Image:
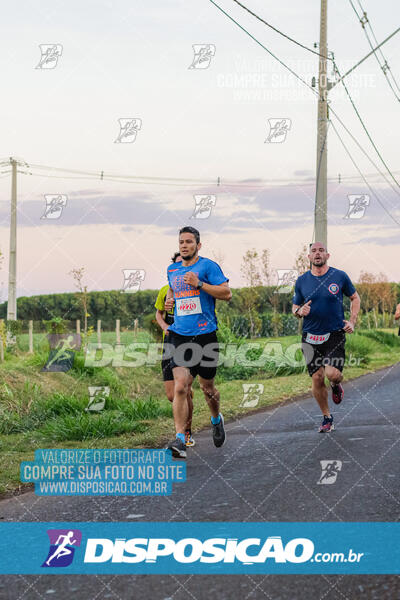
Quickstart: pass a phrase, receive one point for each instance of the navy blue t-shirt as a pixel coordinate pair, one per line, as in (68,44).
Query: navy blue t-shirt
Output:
(326,295)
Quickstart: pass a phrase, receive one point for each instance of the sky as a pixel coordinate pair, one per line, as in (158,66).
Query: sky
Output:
(131,60)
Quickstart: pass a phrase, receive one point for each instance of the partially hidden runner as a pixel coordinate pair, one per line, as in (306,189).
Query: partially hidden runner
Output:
(165,318)
(318,298)
(397,315)
(195,284)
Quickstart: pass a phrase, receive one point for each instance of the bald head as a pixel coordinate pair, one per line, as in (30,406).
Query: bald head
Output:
(318,245)
(318,254)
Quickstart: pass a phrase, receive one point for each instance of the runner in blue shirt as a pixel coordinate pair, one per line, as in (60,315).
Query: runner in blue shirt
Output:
(165,319)
(195,283)
(318,298)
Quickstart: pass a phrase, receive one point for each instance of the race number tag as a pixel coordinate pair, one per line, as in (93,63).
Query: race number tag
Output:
(188,306)
(312,338)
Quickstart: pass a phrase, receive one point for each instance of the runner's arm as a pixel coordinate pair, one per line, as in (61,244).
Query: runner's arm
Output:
(301,310)
(354,307)
(397,313)
(221,291)
(298,301)
(295,310)
(169,300)
(160,319)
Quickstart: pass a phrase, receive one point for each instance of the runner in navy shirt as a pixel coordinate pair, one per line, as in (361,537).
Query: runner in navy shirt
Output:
(318,298)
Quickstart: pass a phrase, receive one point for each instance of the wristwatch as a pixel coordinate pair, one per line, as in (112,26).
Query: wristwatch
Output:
(200,285)
(297,310)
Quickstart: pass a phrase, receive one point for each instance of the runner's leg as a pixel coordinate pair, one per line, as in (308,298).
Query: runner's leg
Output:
(169,387)
(190,404)
(211,395)
(180,404)
(320,391)
(169,390)
(333,374)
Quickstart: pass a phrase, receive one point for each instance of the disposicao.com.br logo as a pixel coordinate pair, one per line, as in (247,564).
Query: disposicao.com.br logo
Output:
(247,551)
(62,547)
(150,547)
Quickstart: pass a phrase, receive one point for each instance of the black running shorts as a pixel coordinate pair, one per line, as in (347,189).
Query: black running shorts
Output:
(330,353)
(198,353)
(166,370)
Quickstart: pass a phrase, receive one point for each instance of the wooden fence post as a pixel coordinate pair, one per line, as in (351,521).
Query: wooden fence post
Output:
(135,327)
(78,326)
(99,333)
(118,331)
(30,337)
(1,350)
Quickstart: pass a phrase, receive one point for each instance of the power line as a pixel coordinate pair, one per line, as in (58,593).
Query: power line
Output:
(265,48)
(260,183)
(365,129)
(280,32)
(121,179)
(373,163)
(367,56)
(101,174)
(155,180)
(385,66)
(305,83)
(363,177)
(162,180)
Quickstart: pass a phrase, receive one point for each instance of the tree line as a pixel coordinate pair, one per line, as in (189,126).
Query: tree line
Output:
(256,307)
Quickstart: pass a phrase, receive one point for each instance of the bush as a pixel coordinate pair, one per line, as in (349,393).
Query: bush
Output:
(56,325)
(389,340)
(360,347)
(272,325)
(151,325)
(87,426)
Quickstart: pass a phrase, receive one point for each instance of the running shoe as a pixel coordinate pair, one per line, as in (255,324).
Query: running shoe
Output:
(218,432)
(178,448)
(327,425)
(189,440)
(337,393)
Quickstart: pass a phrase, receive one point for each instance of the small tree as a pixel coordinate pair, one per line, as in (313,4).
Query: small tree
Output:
(82,295)
(55,325)
(219,257)
(265,269)
(302,265)
(366,291)
(302,262)
(250,270)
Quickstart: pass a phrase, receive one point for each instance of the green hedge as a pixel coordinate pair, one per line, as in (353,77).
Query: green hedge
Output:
(270,325)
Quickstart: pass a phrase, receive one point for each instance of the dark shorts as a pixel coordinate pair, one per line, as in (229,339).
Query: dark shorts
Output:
(330,353)
(166,370)
(198,353)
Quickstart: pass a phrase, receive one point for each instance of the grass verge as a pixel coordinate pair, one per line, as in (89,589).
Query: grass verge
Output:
(48,410)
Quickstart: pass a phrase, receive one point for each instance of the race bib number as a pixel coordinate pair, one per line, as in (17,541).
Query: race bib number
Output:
(188,306)
(312,338)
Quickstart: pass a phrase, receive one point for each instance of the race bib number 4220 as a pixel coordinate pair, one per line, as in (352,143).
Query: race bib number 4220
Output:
(188,306)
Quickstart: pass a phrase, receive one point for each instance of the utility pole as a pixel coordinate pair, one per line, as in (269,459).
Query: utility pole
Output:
(321,205)
(12,269)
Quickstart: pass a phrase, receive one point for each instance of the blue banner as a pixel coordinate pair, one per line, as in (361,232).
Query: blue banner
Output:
(114,472)
(199,548)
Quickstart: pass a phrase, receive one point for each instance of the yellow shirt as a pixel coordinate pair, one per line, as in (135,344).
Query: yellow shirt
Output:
(160,305)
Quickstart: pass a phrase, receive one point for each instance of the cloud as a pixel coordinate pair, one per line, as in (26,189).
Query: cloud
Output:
(304,173)
(237,210)
(382,241)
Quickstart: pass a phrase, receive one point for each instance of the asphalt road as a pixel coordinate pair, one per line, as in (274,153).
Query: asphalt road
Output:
(267,470)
